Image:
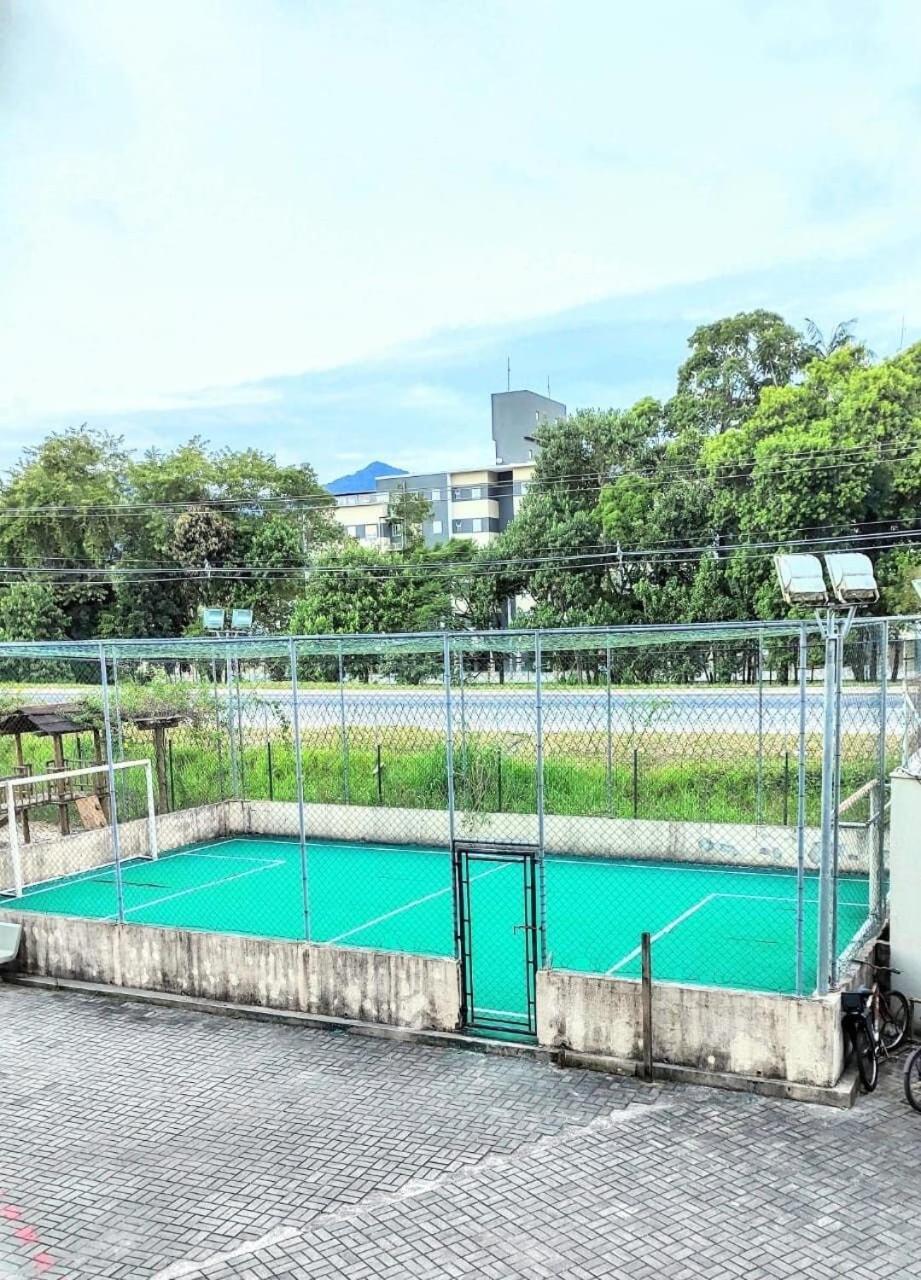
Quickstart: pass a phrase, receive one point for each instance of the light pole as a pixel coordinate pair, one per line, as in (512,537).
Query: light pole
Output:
(802,582)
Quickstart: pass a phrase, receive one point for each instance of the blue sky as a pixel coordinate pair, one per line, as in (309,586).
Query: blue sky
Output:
(320,228)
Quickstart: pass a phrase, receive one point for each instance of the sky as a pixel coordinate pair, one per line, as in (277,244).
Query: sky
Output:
(322,228)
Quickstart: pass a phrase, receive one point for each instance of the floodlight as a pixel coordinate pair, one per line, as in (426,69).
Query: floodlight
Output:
(851,576)
(916,583)
(801,579)
(213,619)
(241,620)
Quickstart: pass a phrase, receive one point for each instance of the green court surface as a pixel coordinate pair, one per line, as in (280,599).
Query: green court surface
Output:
(711,925)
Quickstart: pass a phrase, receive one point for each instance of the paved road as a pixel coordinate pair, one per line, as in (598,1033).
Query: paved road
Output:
(682,710)
(652,711)
(145,1143)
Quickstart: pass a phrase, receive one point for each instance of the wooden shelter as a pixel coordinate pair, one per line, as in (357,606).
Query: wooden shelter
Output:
(56,721)
(59,721)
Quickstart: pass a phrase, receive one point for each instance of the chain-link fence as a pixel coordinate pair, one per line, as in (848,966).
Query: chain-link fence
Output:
(722,788)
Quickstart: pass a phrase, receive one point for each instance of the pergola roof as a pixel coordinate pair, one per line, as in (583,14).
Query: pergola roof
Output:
(46,719)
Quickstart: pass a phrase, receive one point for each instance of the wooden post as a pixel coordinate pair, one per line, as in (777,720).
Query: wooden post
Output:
(21,762)
(646,951)
(99,779)
(159,737)
(61,787)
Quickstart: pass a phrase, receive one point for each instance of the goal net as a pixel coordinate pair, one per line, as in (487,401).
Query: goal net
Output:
(59,825)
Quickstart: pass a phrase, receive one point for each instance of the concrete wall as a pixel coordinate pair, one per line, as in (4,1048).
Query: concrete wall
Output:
(47,859)
(729,843)
(421,992)
(905,879)
(711,1028)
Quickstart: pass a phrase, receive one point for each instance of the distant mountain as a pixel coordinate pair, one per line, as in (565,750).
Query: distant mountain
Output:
(363,481)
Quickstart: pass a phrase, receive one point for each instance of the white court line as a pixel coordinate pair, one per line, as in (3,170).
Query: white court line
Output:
(673,924)
(595,860)
(408,906)
(52,883)
(196,888)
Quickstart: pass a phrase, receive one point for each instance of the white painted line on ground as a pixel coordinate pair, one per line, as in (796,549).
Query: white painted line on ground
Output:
(409,906)
(613,863)
(672,924)
(208,884)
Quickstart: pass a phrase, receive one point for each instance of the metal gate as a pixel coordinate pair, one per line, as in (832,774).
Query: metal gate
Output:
(495,899)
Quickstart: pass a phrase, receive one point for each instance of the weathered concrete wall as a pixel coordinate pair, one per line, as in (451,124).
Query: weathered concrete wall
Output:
(712,1028)
(47,859)
(730,843)
(905,877)
(421,992)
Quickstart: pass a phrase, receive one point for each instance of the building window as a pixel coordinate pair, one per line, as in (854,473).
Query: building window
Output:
(436,526)
(352,530)
(457,526)
(477,525)
(476,492)
(436,496)
(524,487)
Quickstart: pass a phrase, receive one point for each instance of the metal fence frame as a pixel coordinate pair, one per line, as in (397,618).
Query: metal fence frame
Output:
(445,649)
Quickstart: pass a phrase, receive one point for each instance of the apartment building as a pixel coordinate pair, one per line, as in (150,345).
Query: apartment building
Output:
(470,502)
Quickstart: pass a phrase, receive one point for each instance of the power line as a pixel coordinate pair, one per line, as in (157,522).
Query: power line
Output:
(818,461)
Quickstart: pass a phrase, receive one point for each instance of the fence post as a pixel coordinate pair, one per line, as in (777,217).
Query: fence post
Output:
(343,729)
(609,777)
(539,766)
(825,959)
(878,856)
(646,994)
(299,783)
(241,754)
(268,761)
(217,729)
(113,799)
(759,796)
(231,727)
(449,735)
(636,781)
(801,807)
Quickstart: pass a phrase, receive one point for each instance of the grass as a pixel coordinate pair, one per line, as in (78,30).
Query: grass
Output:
(706,777)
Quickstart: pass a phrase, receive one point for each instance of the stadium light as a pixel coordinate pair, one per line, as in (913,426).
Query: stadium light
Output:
(213,619)
(241,620)
(851,577)
(916,583)
(801,579)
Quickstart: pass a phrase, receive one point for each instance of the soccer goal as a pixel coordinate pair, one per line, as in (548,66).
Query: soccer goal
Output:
(34,852)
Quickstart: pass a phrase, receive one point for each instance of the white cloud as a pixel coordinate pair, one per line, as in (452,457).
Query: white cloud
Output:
(203,196)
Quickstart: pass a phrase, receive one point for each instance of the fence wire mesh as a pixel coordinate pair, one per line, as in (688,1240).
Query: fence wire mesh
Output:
(670,780)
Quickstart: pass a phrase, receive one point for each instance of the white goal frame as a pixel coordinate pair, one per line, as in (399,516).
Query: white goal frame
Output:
(30,779)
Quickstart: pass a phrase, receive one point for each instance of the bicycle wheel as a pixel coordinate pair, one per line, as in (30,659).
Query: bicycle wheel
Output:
(894,1019)
(911,1079)
(865,1053)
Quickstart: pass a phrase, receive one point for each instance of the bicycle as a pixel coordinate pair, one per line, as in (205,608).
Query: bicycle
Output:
(911,1079)
(875,1023)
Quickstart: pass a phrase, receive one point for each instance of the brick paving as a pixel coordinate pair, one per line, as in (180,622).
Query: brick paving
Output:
(146,1142)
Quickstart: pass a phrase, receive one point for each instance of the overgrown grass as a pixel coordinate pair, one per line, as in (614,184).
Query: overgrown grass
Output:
(408,769)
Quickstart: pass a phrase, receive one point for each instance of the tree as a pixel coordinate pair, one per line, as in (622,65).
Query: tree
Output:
(29,611)
(841,336)
(733,360)
(406,512)
(61,509)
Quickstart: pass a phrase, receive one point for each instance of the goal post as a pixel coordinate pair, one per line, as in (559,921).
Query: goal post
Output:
(15,807)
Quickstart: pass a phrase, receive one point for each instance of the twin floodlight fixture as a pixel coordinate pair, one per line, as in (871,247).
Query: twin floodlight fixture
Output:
(850,577)
(215,620)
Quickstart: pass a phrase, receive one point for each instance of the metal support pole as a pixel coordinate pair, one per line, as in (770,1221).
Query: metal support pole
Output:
(759,795)
(646,994)
(539,766)
(878,856)
(836,776)
(829,791)
(801,809)
(217,727)
(231,727)
(113,799)
(241,755)
(449,736)
(299,783)
(609,774)
(343,729)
